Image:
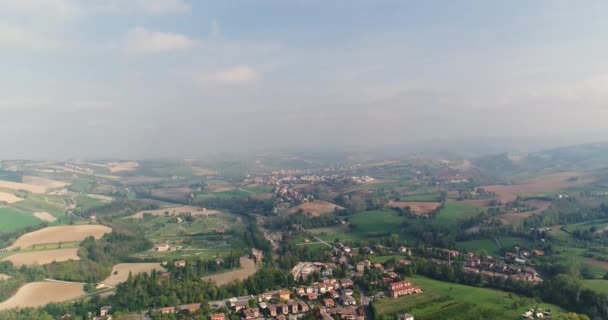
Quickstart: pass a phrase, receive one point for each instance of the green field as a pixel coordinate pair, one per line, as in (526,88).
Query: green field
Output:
(598,285)
(86,202)
(453,211)
(489,245)
(83,184)
(13,220)
(424,197)
(364,225)
(206,236)
(384,259)
(572,255)
(444,300)
(595,224)
(42,202)
(226,195)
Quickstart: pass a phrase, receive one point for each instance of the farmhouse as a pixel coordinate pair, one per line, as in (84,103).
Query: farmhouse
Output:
(167,310)
(403,288)
(405,316)
(190,308)
(162,247)
(105,310)
(217,316)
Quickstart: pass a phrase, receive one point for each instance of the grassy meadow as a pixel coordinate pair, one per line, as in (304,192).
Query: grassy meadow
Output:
(12,220)
(444,300)
(454,211)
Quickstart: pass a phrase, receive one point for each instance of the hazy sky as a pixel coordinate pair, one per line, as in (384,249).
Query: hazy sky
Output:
(141,78)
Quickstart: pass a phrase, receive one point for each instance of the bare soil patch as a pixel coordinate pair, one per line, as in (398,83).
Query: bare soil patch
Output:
(4,276)
(37,294)
(101,197)
(416,207)
(548,183)
(262,196)
(120,272)
(597,263)
(203,172)
(195,211)
(122,166)
(42,257)
(512,217)
(247,270)
(9,197)
(44,182)
(60,234)
(317,208)
(33,184)
(45,216)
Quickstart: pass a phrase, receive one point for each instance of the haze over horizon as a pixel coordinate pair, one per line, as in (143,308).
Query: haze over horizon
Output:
(147,78)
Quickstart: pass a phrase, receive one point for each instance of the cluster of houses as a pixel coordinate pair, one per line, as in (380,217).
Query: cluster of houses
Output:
(274,304)
(488,267)
(536,314)
(328,291)
(303,269)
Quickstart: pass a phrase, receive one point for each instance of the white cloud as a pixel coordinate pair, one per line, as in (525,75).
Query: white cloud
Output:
(158,7)
(46,8)
(149,7)
(141,41)
(233,76)
(15,37)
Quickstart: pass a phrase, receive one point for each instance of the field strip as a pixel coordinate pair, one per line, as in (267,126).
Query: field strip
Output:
(40,293)
(42,257)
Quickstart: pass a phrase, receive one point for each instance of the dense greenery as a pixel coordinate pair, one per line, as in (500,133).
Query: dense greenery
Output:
(148,291)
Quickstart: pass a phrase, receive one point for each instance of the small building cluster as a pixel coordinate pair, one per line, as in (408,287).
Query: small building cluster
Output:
(303,269)
(489,267)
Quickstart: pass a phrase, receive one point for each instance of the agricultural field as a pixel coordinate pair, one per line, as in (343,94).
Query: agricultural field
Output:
(37,294)
(454,211)
(488,245)
(122,166)
(13,220)
(416,207)
(120,272)
(579,256)
(209,235)
(173,194)
(87,202)
(248,268)
(363,226)
(33,184)
(512,217)
(422,197)
(540,185)
(444,300)
(42,257)
(172,211)
(597,285)
(598,225)
(9,197)
(491,246)
(317,208)
(54,205)
(225,194)
(58,234)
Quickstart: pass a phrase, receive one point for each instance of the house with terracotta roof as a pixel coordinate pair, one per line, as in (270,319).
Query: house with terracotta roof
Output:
(402,288)
(217,316)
